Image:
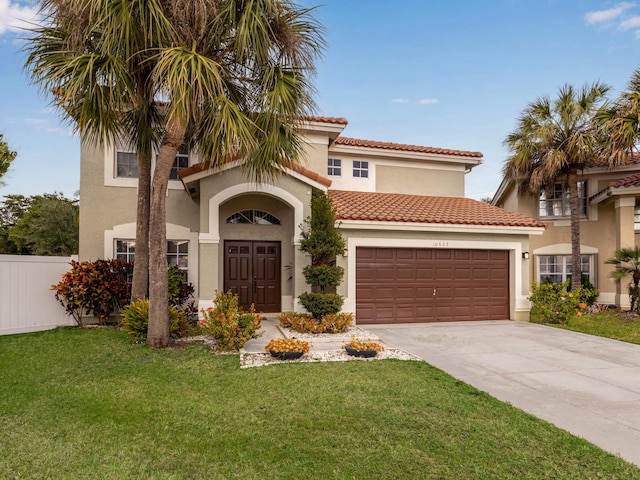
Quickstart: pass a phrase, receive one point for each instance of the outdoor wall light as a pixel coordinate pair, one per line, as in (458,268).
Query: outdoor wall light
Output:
(525,255)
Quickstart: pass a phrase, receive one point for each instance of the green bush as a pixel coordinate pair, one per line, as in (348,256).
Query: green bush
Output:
(553,303)
(321,304)
(323,276)
(588,293)
(100,287)
(228,323)
(305,323)
(135,321)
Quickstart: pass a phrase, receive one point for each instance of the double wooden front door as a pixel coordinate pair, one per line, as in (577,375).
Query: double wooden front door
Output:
(252,271)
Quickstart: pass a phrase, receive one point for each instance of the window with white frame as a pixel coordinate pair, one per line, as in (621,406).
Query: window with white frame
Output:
(334,167)
(125,250)
(126,165)
(360,169)
(636,216)
(554,201)
(181,161)
(557,268)
(177,252)
(253,217)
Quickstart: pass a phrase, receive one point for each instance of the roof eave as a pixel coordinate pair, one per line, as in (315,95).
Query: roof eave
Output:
(611,192)
(442,227)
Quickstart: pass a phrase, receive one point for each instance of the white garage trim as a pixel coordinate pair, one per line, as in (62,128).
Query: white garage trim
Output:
(517,298)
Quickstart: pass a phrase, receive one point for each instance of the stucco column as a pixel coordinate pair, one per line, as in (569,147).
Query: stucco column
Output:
(301,260)
(208,274)
(625,238)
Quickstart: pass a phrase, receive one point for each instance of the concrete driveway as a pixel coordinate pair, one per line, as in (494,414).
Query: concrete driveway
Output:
(589,386)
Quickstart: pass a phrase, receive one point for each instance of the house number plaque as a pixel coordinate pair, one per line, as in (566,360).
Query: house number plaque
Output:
(440,244)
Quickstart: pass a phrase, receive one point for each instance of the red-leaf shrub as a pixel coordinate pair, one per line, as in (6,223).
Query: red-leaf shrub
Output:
(100,287)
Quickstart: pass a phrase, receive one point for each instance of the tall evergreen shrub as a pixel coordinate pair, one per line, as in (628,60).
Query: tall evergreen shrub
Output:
(323,241)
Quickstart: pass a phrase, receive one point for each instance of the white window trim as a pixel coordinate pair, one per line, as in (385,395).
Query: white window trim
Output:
(331,159)
(561,217)
(174,232)
(110,174)
(361,169)
(564,273)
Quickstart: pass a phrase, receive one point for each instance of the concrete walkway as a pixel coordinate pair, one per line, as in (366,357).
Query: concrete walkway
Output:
(589,386)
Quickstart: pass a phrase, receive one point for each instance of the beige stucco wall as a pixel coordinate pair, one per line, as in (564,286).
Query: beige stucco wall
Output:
(227,193)
(108,212)
(419,181)
(599,233)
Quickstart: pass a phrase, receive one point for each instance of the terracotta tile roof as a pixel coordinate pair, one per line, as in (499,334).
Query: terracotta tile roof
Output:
(311,174)
(355,142)
(630,181)
(634,160)
(200,167)
(393,207)
(334,120)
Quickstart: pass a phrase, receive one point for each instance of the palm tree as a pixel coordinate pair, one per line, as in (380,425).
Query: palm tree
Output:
(620,122)
(553,140)
(229,79)
(122,109)
(627,262)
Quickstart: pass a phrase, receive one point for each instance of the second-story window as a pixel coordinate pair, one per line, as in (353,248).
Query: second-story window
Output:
(181,161)
(334,167)
(554,201)
(360,169)
(126,165)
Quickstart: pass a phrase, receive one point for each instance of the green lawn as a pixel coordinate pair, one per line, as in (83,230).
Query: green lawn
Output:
(610,324)
(89,404)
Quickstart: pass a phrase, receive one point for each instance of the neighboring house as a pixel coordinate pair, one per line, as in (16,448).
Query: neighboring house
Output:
(610,209)
(416,249)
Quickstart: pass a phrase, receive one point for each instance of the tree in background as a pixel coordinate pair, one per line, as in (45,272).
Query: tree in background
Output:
(553,140)
(6,157)
(39,225)
(232,77)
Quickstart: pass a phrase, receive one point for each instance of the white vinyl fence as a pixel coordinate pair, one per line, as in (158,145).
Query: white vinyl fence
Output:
(26,302)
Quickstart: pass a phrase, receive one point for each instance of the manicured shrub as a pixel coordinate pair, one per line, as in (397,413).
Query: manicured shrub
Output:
(323,241)
(323,276)
(228,323)
(99,288)
(336,322)
(555,303)
(364,345)
(321,304)
(287,345)
(135,321)
(305,323)
(320,238)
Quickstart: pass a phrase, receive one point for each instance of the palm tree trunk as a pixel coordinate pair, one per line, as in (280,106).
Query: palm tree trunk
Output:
(140,284)
(574,207)
(158,333)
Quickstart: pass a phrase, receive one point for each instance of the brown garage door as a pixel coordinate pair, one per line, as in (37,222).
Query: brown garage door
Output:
(401,285)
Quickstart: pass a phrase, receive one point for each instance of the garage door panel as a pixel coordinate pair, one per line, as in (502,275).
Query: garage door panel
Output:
(395,285)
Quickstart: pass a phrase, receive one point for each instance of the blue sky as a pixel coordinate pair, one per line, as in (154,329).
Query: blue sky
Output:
(443,73)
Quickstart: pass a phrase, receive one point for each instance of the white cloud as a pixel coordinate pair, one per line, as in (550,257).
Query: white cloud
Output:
(600,16)
(428,101)
(16,15)
(632,22)
(399,100)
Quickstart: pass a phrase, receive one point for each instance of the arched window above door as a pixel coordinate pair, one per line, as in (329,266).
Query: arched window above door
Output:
(253,217)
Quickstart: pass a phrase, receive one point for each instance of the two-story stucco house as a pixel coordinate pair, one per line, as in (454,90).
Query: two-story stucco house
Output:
(417,250)
(610,209)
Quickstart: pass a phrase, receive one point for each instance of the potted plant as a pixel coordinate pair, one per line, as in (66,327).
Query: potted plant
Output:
(287,348)
(363,348)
